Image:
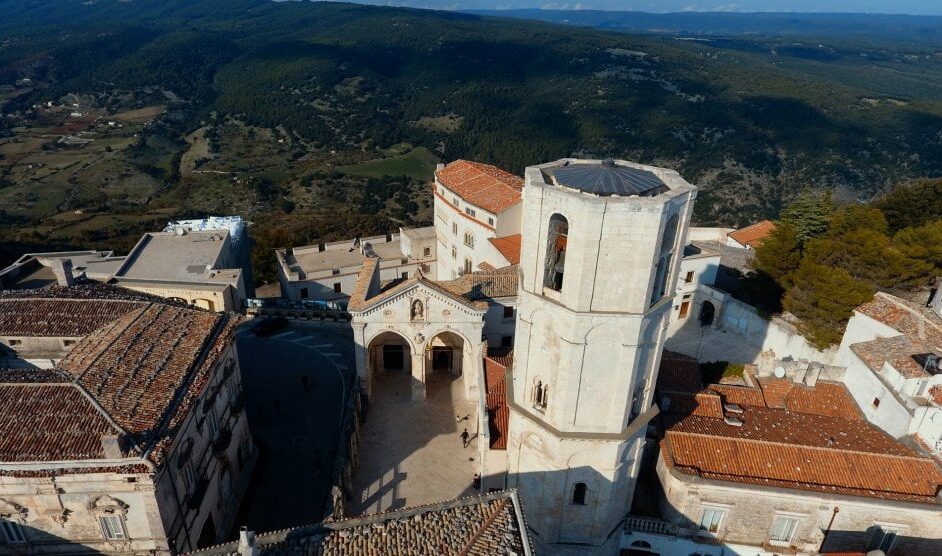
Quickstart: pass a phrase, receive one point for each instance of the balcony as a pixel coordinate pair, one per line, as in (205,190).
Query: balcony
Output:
(648,525)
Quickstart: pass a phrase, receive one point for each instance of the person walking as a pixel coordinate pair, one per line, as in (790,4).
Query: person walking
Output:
(465,438)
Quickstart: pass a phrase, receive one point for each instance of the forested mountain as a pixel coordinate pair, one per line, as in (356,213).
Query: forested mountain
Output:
(270,108)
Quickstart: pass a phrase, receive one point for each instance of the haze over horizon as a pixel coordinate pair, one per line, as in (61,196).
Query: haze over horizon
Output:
(908,7)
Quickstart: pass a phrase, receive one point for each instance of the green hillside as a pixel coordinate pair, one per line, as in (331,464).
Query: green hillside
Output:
(290,108)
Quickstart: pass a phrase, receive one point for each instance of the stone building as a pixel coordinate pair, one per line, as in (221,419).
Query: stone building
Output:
(136,441)
(892,350)
(204,263)
(601,246)
(484,525)
(329,271)
(477,217)
(781,465)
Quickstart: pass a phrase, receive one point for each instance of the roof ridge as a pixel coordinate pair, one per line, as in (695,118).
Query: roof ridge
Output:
(488,521)
(805,446)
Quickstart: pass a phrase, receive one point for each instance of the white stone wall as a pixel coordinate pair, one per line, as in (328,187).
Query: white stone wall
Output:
(595,344)
(496,325)
(751,510)
(59,512)
(451,225)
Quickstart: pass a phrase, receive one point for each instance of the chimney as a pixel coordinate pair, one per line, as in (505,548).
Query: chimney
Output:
(111,445)
(62,268)
(247,542)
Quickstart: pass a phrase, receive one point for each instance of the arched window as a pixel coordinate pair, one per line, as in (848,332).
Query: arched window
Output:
(556,240)
(469,239)
(664,259)
(540,395)
(579,492)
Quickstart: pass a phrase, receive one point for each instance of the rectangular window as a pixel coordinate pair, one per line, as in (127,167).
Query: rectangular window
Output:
(12,532)
(405,275)
(454,253)
(454,228)
(304,293)
(337,287)
(213,422)
(783,529)
(689,277)
(427,252)
(470,212)
(508,312)
(490,221)
(467,266)
(455,199)
(883,539)
(334,271)
(112,527)
(15,342)
(876,402)
(68,343)
(711,519)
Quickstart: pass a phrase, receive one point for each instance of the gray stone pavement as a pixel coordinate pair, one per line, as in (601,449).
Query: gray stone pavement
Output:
(706,344)
(411,452)
(296,428)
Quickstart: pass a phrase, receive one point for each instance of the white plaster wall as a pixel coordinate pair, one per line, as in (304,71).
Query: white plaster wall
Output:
(892,415)
(774,334)
(861,328)
(496,325)
(698,233)
(750,511)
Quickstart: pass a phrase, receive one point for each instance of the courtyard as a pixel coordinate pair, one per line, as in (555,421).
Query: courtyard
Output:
(295,383)
(411,452)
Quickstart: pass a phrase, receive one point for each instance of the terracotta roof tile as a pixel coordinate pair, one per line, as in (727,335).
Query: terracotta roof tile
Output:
(483,525)
(901,352)
(59,317)
(49,422)
(482,185)
(919,323)
(802,451)
(485,284)
(509,247)
(753,235)
(496,399)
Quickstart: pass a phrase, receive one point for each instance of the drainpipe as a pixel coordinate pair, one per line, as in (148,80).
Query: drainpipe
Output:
(828,530)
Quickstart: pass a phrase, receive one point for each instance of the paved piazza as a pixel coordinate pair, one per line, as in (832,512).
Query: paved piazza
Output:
(410,452)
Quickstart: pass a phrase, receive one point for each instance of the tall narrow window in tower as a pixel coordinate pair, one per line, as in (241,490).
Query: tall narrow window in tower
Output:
(540,395)
(556,252)
(579,492)
(664,260)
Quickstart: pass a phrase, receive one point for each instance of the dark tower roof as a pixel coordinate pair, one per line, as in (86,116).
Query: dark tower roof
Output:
(607,178)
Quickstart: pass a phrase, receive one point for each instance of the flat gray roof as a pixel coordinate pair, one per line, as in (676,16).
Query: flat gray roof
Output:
(309,259)
(169,256)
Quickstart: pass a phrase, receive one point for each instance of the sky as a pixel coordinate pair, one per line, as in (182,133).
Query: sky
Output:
(913,7)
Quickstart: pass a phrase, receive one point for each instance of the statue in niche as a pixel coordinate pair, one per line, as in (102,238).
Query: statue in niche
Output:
(418,310)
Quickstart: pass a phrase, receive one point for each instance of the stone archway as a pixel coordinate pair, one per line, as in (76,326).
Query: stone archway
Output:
(389,353)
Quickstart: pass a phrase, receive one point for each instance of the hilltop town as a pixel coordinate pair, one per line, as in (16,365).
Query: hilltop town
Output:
(560,364)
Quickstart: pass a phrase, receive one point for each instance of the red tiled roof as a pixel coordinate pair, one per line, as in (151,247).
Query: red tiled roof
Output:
(509,247)
(871,475)
(49,422)
(485,284)
(59,317)
(498,412)
(482,185)
(916,322)
(136,366)
(783,448)
(753,235)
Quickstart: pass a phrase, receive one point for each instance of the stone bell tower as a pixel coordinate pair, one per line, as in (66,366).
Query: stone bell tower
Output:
(601,247)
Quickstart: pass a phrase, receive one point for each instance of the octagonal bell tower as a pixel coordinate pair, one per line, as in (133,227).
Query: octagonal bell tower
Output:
(601,248)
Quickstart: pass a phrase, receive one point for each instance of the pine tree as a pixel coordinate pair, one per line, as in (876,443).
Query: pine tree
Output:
(824,298)
(779,254)
(809,214)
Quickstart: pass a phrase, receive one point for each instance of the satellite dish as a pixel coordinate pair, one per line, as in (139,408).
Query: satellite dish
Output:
(780,372)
